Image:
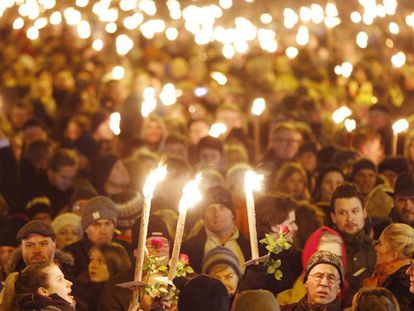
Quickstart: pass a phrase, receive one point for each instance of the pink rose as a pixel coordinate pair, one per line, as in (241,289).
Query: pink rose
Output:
(157,243)
(184,258)
(283,229)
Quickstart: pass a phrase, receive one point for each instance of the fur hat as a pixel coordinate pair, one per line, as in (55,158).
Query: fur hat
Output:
(398,165)
(260,300)
(325,257)
(98,208)
(218,194)
(128,207)
(67,219)
(221,255)
(202,293)
(36,226)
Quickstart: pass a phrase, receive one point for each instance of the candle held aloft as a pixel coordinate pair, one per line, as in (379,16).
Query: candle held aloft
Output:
(191,196)
(398,127)
(252,182)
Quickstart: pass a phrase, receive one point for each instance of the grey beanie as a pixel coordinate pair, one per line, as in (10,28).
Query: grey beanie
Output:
(221,255)
(98,208)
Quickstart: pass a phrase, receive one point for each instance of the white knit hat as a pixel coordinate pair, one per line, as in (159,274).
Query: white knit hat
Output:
(67,219)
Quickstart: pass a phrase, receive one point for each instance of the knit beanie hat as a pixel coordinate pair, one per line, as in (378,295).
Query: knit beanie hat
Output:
(221,255)
(98,208)
(325,257)
(361,165)
(67,219)
(260,300)
(218,194)
(100,169)
(211,143)
(398,165)
(202,293)
(36,226)
(128,207)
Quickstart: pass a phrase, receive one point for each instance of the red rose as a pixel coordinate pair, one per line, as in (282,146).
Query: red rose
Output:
(184,258)
(157,243)
(283,229)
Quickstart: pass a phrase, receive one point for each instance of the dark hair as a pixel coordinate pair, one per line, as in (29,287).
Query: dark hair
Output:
(62,157)
(116,257)
(37,150)
(272,209)
(346,190)
(364,135)
(31,278)
(378,299)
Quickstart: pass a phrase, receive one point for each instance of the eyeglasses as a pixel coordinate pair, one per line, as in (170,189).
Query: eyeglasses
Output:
(318,277)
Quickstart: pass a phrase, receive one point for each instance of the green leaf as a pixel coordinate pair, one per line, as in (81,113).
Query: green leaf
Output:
(189,269)
(271,269)
(278,275)
(277,263)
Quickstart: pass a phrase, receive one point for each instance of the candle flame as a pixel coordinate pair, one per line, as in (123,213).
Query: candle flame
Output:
(400,126)
(350,125)
(259,105)
(253,181)
(191,193)
(115,122)
(154,177)
(341,114)
(217,129)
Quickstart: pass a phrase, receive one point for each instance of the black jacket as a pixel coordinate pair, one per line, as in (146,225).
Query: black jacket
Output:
(40,303)
(194,248)
(303,305)
(256,276)
(399,284)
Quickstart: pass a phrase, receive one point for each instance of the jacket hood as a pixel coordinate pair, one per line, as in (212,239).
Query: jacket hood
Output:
(16,263)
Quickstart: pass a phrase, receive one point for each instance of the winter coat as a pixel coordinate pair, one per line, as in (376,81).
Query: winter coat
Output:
(15,264)
(303,305)
(39,303)
(361,259)
(393,278)
(194,248)
(80,252)
(256,276)
(113,297)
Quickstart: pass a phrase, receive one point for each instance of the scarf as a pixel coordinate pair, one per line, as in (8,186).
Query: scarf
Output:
(303,305)
(384,271)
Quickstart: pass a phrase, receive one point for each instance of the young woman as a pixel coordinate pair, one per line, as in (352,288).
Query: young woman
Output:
(291,179)
(43,287)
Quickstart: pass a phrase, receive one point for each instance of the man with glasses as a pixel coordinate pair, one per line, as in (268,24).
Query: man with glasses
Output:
(284,143)
(324,279)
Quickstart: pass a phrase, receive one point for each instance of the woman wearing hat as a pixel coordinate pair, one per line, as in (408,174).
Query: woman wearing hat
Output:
(394,249)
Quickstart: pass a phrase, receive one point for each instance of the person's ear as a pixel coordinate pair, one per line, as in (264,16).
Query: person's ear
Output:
(43,291)
(333,218)
(364,212)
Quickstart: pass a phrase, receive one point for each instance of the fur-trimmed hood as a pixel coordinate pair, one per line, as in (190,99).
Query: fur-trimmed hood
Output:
(16,263)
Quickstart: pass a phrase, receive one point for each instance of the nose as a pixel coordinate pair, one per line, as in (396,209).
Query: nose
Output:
(324,281)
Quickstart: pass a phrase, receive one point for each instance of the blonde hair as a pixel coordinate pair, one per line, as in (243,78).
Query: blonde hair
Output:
(287,170)
(400,238)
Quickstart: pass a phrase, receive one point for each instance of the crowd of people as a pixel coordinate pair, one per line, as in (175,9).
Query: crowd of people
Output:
(71,200)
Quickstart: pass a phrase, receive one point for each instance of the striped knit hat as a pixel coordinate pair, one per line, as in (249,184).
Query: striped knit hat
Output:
(221,255)
(128,208)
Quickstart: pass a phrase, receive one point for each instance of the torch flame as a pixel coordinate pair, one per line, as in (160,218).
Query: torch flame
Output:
(259,105)
(114,123)
(253,181)
(341,114)
(400,126)
(191,193)
(155,177)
